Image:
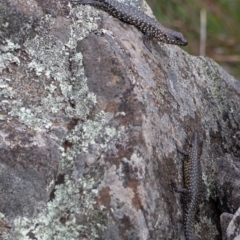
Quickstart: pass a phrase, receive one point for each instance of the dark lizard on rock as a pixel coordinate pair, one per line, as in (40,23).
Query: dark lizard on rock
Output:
(193,184)
(149,26)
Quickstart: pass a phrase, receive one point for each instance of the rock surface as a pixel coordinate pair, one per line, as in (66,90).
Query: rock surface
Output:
(89,125)
(230,225)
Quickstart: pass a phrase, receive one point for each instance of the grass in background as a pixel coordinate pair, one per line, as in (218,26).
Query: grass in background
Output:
(223,21)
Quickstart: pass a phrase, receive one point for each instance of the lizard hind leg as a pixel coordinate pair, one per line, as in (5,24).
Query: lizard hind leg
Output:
(179,189)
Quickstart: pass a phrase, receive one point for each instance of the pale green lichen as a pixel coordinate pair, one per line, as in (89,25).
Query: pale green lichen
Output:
(207,227)
(76,196)
(59,219)
(5,90)
(209,182)
(38,117)
(9,47)
(212,71)
(85,135)
(50,57)
(7,55)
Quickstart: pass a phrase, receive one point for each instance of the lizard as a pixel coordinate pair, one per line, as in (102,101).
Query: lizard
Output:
(193,184)
(149,26)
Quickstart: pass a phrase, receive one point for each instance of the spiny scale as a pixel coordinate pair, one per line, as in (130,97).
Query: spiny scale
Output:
(146,24)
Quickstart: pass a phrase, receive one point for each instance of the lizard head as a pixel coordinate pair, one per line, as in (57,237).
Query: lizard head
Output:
(172,37)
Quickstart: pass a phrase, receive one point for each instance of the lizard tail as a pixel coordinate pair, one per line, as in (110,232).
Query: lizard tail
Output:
(189,226)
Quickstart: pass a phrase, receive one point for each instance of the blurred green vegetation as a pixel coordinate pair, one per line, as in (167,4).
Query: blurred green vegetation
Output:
(223,27)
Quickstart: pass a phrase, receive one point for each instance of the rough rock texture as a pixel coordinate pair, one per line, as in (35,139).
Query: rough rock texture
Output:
(89,121)
(225,219)
(233,230)
(230,225)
